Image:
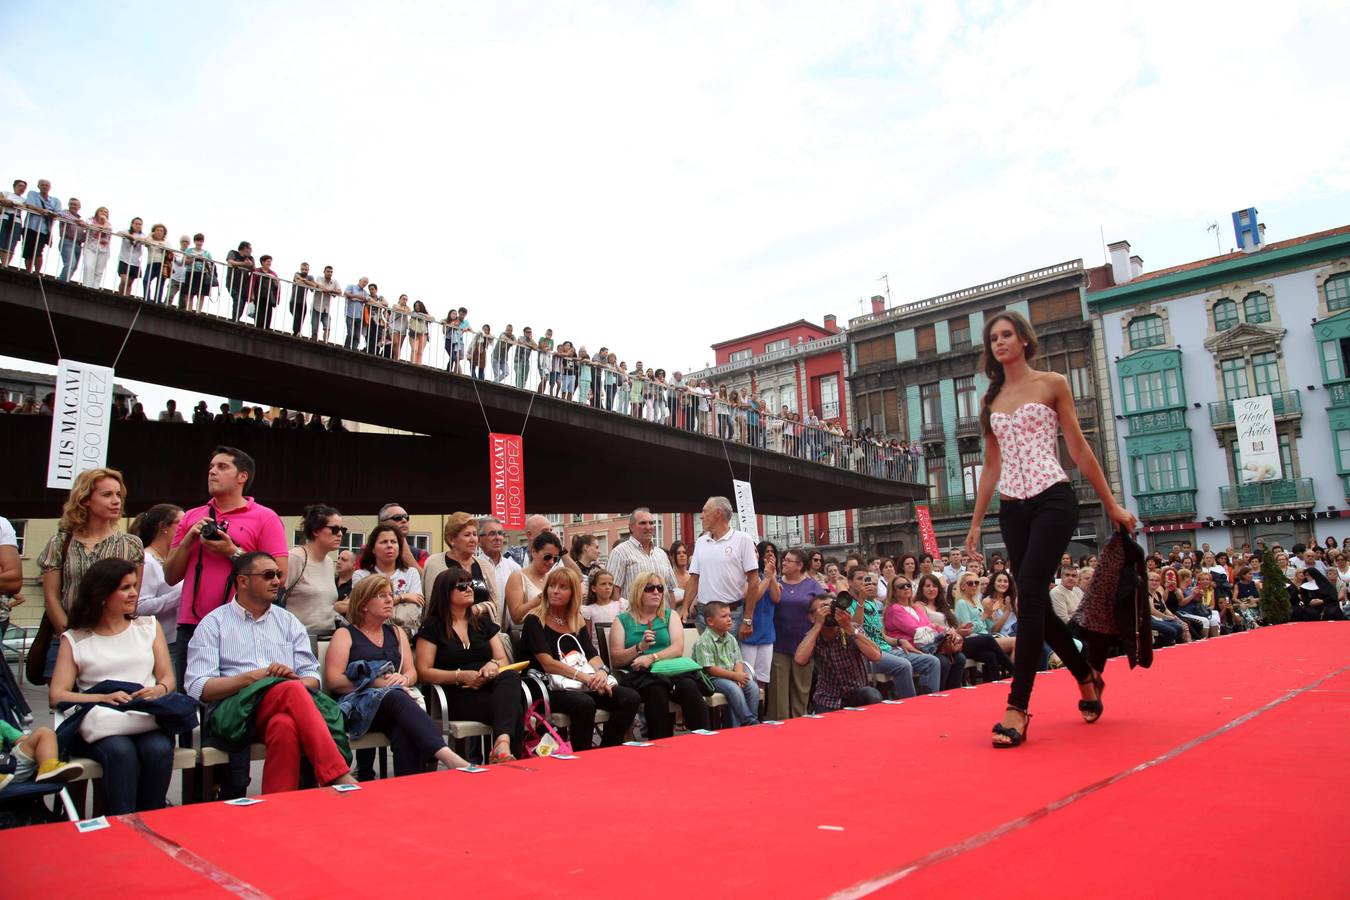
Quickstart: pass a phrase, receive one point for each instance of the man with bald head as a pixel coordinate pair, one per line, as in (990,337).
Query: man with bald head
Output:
(535,525)
(640,554)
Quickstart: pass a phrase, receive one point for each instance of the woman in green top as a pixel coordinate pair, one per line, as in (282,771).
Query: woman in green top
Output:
(968,617)
(642,636)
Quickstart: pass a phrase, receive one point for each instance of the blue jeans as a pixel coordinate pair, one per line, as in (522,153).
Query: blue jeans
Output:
(136,768)
(927,670)
(742,702)
(71,251)
(900,670)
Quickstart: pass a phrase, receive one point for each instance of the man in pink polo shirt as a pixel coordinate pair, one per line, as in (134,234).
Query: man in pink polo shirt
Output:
(239,526)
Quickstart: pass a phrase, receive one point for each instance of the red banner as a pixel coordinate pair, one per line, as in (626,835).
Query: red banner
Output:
(926,532)
(506,467)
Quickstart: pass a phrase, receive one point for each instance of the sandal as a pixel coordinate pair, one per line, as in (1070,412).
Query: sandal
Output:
(501,756)
(1092,709)
(1014,737)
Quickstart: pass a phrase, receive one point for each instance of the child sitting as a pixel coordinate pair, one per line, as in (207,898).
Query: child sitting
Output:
(718,653)
(603,602)
(35,757)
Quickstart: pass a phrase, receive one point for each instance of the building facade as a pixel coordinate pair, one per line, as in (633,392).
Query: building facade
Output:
(916,378)
(802,368)
(1186,342)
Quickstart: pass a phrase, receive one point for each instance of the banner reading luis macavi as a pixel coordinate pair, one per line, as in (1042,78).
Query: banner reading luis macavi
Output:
(1258,444)
(506,478)
(926,531)
(81,408)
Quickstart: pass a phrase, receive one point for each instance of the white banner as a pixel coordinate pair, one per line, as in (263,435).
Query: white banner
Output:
(81,410)
(1258,444)
(745,508)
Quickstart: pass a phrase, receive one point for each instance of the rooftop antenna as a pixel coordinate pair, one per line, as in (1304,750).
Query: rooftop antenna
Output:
(887,278)
(1106,260)
(1214,227)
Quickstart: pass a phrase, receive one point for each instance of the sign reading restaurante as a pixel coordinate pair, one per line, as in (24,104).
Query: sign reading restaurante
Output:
(1253,519)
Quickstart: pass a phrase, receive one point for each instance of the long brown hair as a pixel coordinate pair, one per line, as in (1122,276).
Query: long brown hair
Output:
(993,369)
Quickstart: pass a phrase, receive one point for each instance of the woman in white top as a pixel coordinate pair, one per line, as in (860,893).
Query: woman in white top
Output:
(158,257)
(129,256)
(97,248)
(311,571)
(156,528)
(105,640)
(525,589)
(679,562)
(381,555)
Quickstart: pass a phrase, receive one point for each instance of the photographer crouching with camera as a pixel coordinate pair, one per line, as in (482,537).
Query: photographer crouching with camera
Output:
(841,653)
(211,537)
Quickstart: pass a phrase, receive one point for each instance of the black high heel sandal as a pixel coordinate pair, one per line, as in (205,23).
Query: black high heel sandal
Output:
(1093,708)
(1015,738)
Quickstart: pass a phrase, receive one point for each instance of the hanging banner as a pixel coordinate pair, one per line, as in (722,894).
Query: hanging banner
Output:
(506,468)
(1258,444)
(81,408)
(745,508)
(926,532)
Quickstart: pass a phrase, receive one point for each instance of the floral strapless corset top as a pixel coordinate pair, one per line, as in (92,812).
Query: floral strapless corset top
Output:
(1028,442)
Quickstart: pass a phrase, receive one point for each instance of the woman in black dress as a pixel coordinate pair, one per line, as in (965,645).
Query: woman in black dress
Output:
(460,648)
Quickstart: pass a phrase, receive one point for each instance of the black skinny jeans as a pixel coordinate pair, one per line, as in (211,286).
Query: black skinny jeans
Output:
(985,650)
(656,700)
(413,737)
(1036,531)
(622,706)
(499,703)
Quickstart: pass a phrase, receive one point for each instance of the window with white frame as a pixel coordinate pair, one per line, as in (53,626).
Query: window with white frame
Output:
(420,540)
(777,345)
(839,527)
(794,531)
(790,397)
(829,397)
(741,355)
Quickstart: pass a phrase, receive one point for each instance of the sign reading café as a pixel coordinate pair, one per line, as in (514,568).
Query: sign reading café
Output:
(1274,518)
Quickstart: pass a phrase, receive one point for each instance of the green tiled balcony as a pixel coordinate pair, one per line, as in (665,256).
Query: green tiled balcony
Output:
(1267,494)
(1157,422)
(1340,394)
(1287,403)
(1166,505)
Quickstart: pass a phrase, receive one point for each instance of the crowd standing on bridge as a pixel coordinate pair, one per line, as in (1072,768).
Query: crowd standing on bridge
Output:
(203,617)
(150,267)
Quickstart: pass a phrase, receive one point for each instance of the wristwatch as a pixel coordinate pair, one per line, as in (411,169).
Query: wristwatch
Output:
(238,552)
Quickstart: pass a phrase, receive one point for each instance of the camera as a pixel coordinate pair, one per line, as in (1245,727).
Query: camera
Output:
(842,603)
(213,530)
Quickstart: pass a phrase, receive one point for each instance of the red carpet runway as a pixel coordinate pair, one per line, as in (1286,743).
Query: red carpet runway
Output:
(1222,771)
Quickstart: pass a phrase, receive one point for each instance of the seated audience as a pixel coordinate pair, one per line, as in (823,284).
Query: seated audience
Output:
(966,619)
(647,632)
(250,662)
(553,629)
(720,655)
(105,642)
(461,648)
(382,555)
(370,668)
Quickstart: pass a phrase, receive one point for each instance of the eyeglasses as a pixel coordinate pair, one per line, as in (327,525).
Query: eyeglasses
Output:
(904,587)
(463,585)
(549,557)
(493,534)
(337,529)
(654,589)
(400,517)
(266,574)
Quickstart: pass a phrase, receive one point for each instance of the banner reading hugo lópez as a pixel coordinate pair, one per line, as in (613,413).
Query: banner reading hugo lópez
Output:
(81,408)
(506,478)
(1258,444)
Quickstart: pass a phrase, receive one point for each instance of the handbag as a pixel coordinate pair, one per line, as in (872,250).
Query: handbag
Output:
(35,666)
(101,722)
(682,666)
(541,738)
(575,658)
(951,643)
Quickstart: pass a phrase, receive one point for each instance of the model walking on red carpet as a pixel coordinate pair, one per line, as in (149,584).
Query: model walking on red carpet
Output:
(1023,414)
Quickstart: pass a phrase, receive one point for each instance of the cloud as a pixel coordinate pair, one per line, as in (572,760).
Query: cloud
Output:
(661,177)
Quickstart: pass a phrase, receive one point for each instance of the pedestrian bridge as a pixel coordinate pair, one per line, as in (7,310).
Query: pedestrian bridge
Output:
(577,456)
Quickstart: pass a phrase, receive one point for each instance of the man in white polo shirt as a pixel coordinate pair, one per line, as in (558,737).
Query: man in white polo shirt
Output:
(725,567)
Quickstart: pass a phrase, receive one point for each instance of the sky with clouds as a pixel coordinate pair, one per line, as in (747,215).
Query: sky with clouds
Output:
(658,177)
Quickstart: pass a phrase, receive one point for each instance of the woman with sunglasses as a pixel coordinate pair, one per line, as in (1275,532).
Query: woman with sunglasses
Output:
(643,635)
(966,615)
(525,589)
(311,573)
(461,648)
(461,542)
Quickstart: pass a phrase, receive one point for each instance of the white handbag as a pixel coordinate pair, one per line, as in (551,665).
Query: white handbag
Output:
(575,658)
(102,721)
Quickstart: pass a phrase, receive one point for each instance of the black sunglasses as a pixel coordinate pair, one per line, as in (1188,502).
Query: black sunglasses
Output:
(401,517)
(549,557)
(337,529)
(463,585)
(266,574)
(654,589)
